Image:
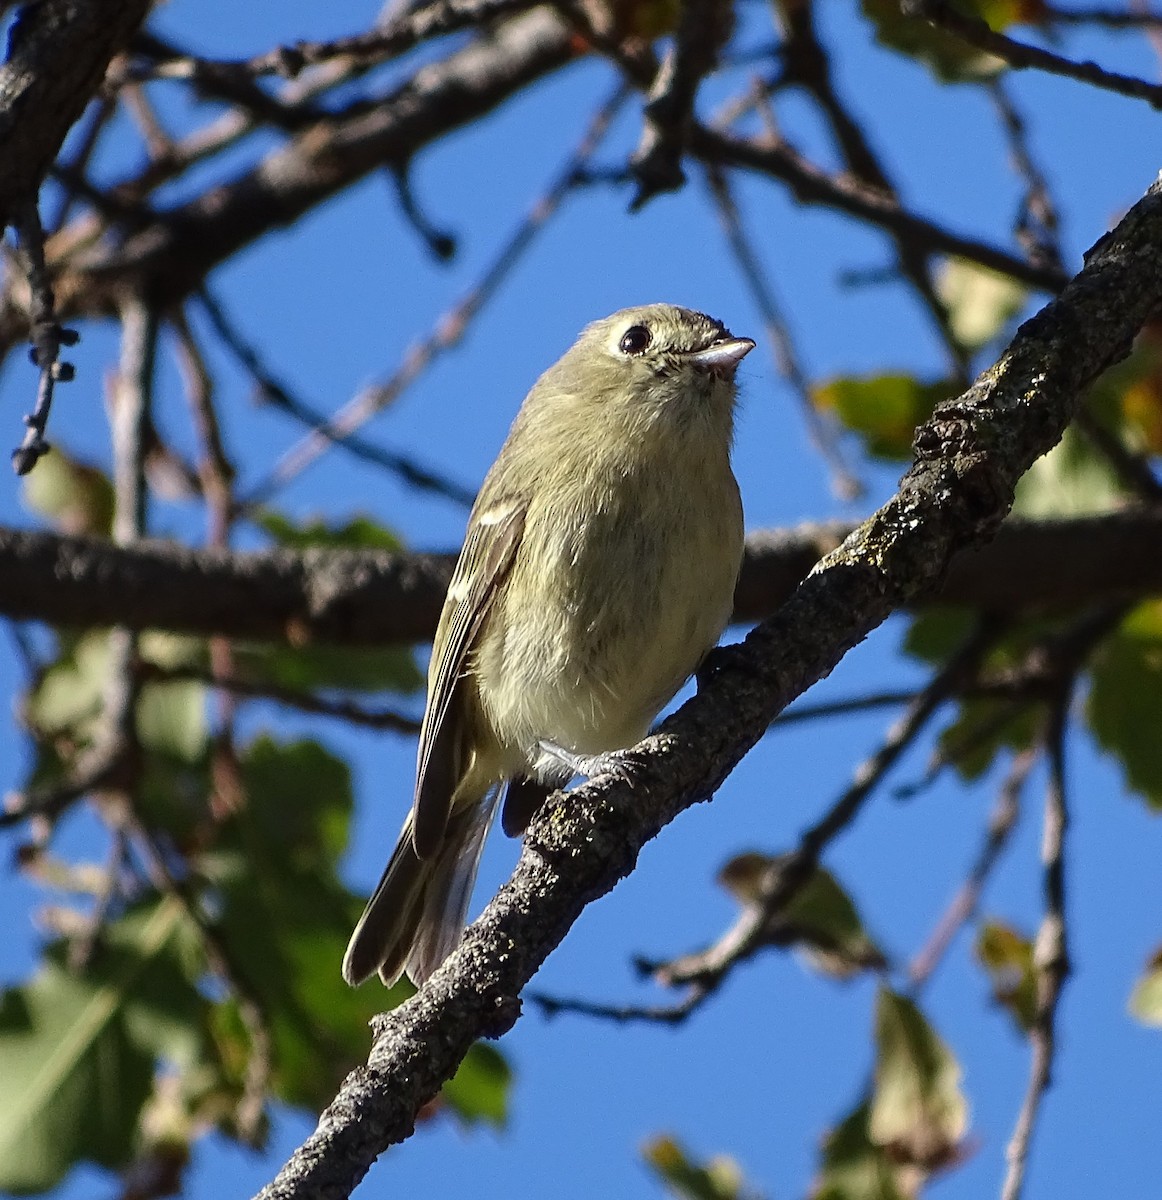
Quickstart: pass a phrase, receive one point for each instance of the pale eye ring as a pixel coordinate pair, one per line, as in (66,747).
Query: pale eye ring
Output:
(635,340)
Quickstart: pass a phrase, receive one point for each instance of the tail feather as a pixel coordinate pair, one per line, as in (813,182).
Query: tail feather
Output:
(416,914)
(448,889)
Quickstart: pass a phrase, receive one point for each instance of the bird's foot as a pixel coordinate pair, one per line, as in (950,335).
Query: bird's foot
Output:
(589,766)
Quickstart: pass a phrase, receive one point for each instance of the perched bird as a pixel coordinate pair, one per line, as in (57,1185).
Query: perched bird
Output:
(598,569)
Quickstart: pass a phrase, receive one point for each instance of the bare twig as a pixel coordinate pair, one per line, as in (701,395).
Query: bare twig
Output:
(1021,55)
(452,326)
(810,184)
(807,64)
(251,1104)
(823,435)
(836,708)
(964,903)
(215,470)
(343,710)
(410,27)
(46,335)
(1037,223)
(1110,18)
(703,28)
(99,115)
(1050,953)
(274,392)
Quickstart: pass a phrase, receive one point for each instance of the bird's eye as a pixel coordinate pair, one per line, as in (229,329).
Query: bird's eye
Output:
(634,340)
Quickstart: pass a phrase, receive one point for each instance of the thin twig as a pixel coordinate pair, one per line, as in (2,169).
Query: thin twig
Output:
(101,111)
(46,335)
(343,710)
(274,392)
(703,28)
(964,904)
(452,326)
(249,1110)
(1021,55)
(834,708)
(844,192)
(412,26)
(1037,227)
(1050,953)
(823,435)
(808,66)
(1110,18)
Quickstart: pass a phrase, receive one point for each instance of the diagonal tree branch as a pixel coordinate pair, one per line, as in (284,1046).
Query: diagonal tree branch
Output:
(58,51)
(969,458)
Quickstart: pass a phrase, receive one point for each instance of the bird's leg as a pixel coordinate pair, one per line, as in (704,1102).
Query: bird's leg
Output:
(588,766)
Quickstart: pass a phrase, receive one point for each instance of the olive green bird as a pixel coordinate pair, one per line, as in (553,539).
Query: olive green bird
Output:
(598,569)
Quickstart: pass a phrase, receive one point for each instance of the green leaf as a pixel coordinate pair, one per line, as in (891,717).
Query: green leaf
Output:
(918,1112)
(1007,956)
(980,302)
(934,635)
(310,667)
(74,496)
(820,919)
(982,729)
(80,1052)
(358,533)
(720,1178)
(1072,480)
(286,916)
(1125,699)
(479,1091)
(171,720)
(69,696)
(853,1167)
(883,409)
(1146,998)
(950,58)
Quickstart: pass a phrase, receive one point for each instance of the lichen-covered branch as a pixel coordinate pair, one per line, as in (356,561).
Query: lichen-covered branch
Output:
(969,457)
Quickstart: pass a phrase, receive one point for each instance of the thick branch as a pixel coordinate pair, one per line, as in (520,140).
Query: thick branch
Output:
(969,457)
(374,598)
(58,53)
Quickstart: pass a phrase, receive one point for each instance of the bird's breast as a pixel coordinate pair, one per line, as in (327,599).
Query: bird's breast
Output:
(619,589)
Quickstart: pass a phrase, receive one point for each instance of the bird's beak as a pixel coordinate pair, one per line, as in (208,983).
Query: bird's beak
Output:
(724,355)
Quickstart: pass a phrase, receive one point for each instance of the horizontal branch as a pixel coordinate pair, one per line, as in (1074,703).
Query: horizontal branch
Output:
(969,458)
(377,598)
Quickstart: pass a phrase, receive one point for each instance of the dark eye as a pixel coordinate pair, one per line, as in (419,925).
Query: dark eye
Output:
(634,340)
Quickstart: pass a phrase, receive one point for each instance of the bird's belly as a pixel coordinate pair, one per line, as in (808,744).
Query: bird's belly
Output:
(589,671)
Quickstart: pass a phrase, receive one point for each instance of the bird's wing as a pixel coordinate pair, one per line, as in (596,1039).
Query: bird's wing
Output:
(493,537)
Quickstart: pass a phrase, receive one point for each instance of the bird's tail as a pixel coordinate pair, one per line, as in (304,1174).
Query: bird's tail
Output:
(416,914)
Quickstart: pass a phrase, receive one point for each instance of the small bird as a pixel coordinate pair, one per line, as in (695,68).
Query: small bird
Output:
(598,570)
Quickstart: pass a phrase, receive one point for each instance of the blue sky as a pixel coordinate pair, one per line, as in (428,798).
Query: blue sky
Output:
(761,1071)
